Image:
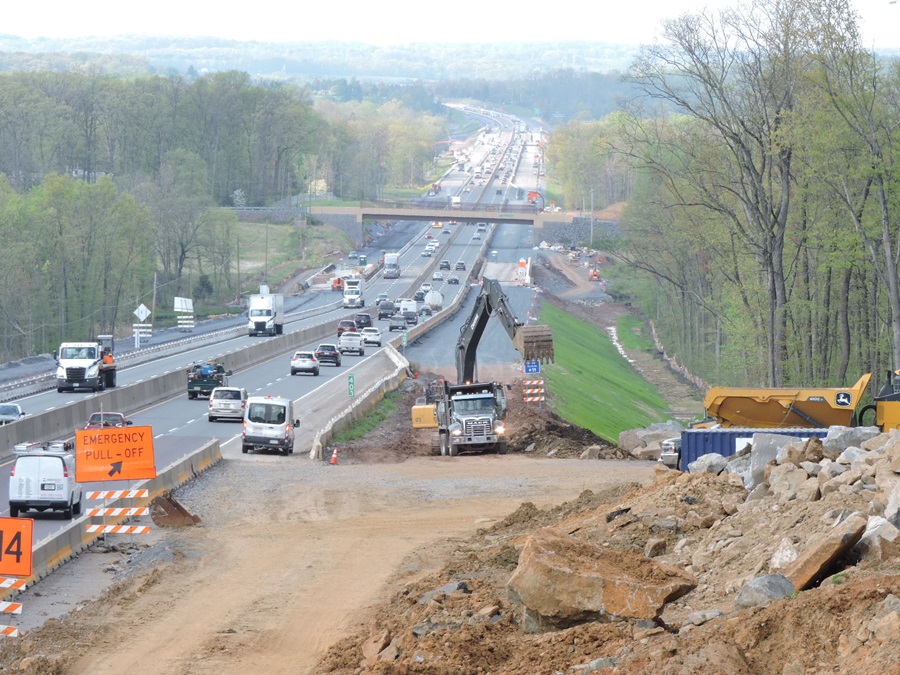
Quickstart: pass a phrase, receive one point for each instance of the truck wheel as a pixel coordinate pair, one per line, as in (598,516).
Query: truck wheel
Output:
(285,451)
(192,395)
(67,512)
(13,511)
(502,447)
(211,418)
(245,448)
(59,390)
(362,352)
(453,450)
(444,442)
(77,508)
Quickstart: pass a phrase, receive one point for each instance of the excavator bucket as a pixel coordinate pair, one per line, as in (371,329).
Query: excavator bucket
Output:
(165,511)
(535,343)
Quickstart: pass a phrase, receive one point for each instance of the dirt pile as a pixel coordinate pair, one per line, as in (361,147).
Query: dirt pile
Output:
(463,620)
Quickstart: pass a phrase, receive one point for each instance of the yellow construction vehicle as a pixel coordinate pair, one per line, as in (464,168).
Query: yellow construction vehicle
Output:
(787,407)
(886,406)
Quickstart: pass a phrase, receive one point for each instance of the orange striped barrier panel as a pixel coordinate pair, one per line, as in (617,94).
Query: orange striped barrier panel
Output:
(119,529)
(136,511)
(10,607)
(117,494)
(10,582)
(9,631)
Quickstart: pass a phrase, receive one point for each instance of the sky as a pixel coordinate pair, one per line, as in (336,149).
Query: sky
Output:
(388,21)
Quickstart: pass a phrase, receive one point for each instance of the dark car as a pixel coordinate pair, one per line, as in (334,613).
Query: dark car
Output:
(398,322)
(419,296)
(346,325)
(454,281)
(445,265)
(386,309)
(425,310)
(411,318)
(328,353)
(362,321)
(461,265)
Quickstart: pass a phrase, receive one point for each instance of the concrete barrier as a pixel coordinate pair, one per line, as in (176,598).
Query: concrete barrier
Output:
(56,549)
(62,422)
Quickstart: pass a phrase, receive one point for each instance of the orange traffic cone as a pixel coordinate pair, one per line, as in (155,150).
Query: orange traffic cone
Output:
(334,456)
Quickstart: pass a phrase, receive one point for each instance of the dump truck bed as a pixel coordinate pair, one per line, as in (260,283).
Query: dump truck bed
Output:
(788,407)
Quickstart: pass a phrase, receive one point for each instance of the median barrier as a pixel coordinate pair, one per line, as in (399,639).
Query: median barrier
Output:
(56,549)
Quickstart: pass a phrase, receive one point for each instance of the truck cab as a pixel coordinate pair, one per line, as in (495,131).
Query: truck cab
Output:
(80,365)
(476,414)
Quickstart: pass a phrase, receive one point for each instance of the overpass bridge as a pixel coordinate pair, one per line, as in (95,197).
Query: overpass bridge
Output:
(524,214)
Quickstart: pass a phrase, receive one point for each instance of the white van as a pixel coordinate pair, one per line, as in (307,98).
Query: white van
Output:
(269,424)
(43,478)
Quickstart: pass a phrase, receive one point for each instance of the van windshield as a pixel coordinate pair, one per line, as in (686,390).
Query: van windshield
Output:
(266,413)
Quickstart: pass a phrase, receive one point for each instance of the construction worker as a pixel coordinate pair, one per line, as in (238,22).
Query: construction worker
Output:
(107,357)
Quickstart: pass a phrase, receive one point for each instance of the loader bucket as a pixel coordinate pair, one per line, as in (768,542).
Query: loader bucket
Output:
(165,511)
(535,343)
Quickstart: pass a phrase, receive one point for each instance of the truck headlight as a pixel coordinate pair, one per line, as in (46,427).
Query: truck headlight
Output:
(455,429)
(93,370)
(499,428)
(60,372)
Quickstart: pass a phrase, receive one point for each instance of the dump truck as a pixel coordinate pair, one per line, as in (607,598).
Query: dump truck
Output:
(786,407)
(471,415)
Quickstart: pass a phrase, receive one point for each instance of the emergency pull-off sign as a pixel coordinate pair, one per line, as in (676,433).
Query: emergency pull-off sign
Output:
(124,453)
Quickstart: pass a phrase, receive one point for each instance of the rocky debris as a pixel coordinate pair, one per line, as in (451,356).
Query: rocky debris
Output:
(562,581)
(645,443)
(716,571)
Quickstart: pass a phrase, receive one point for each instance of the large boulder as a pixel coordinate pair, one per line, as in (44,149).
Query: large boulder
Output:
(815,561)
(563,581)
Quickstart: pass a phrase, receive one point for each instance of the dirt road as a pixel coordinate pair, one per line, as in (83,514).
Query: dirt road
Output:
(301,552)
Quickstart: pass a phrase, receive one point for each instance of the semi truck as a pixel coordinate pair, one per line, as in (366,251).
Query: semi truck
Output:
(85,365)
(471,415)
(353,293)
(265,313)
(391,265)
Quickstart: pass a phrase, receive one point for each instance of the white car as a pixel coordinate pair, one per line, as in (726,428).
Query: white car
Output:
(437,276)
(425,287)
(371,336)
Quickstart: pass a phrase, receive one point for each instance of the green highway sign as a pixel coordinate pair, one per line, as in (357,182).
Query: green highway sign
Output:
(405,336)
(351,384)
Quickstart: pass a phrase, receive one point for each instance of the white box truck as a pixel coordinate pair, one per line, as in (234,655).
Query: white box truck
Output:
(265,314)
(353,293)
(391,265)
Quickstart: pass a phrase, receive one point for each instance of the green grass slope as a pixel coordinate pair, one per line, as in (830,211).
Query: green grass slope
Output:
(590,384)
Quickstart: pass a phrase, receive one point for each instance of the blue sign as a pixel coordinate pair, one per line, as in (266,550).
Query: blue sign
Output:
(532,367)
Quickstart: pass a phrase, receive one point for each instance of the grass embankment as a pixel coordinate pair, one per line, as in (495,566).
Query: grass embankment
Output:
(375,416)
(590,384)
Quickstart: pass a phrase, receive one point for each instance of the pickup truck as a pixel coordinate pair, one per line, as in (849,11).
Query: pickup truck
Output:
(351,341)
(202,378)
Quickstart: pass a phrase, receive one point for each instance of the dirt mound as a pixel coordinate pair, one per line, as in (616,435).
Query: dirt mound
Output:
(462,619)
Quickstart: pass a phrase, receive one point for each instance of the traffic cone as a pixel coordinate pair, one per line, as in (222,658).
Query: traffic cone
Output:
(334,456)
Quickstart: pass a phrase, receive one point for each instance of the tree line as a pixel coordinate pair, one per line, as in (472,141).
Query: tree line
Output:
(106,181)
(760,169)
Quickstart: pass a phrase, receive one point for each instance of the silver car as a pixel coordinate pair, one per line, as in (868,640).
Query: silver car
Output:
(227,403)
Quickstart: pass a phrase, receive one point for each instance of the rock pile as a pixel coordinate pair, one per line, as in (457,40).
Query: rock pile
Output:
(784,558)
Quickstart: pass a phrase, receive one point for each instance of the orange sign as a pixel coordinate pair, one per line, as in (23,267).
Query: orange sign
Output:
(16,536)
(116,453)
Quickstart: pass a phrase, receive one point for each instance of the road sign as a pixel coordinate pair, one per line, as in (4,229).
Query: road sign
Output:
(351,384)
(16,537)
(405,336)
(114,453)
(532,367)
(142,312)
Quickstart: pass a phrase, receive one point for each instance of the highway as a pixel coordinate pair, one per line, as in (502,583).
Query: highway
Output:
(180,425)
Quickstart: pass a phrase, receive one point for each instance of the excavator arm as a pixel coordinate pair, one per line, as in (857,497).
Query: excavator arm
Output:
(534,343)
